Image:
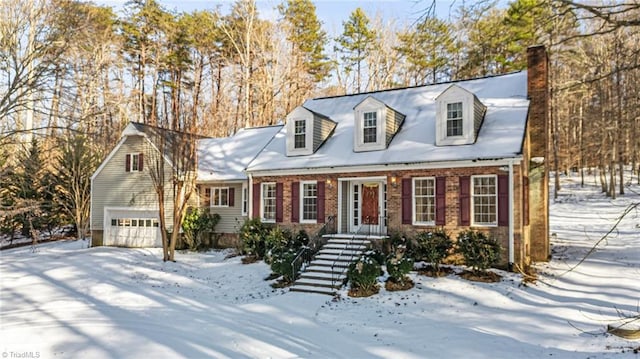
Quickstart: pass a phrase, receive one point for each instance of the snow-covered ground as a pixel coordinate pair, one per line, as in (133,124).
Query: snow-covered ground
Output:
(63,300)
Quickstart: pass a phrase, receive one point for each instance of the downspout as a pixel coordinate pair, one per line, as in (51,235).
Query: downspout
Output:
(511,220)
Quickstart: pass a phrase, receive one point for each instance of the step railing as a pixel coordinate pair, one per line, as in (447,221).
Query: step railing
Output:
(335,275)
(306,253)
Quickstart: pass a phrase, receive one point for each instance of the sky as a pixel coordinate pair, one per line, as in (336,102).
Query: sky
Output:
(331,12)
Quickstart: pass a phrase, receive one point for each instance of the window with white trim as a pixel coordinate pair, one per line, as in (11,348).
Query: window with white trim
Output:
(245,199)
(484,197)
(370,127)
(268,202)
(300,134)
(454,119)
(309,200)
(424,200)
(219,196)
(134,162)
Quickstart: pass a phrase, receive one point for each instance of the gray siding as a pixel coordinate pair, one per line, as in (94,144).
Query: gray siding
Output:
(322,128)
(394,121)
(344,215)
(114,187)
(231,218)
(478,114)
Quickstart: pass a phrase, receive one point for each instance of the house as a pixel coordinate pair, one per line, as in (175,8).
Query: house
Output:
(124,206)
(459,155)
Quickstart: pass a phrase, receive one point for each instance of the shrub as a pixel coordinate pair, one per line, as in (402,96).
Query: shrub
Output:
(252,236)
(478,250)
(398,239)
(399,265)
(196,224)
(433,247)
(281,264)
(363,275)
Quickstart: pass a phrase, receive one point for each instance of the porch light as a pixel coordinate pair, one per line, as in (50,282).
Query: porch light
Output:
(394,181)
(329,183)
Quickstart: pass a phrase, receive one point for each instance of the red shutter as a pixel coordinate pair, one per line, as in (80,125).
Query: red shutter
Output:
(279,195)
(406,201)
(207,196)
(503,200)
(465,201)
(320,200)
(441,206)
(295,202)
(525,199)
(256,200)
(140,162)
(232,197)
(127,163)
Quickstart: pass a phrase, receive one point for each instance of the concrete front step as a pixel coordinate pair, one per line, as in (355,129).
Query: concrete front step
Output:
(339,276)
(344,252)
(329,263)
(311,289)
(338,258)
(353,247)
(361,242)
(324,283)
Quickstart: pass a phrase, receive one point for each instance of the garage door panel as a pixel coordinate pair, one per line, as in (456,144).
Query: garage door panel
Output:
(133,228)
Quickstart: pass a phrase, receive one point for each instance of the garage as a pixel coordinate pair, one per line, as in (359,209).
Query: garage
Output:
(132,228)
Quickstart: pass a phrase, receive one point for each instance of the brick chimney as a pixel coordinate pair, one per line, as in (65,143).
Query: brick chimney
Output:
(538,92)
(538,132)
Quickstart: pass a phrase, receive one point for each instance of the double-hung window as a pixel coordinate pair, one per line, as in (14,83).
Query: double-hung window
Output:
(370,127)
(484,200)
(269,202)
(454,119)
(245,199)
(133,162)
(309,201)
(300,134)
(220,197)
(424,200)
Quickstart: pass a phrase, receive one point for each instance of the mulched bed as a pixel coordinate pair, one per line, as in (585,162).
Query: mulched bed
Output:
(393,286)
(249,259)
(486,277)
(429,271)
(359,293)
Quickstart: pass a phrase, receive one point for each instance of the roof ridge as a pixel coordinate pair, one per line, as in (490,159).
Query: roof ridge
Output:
(418,86)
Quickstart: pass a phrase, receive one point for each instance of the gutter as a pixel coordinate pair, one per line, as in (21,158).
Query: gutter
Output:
(511,219)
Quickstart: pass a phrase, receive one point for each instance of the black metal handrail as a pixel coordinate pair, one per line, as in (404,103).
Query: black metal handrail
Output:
(306,253)
(334,277)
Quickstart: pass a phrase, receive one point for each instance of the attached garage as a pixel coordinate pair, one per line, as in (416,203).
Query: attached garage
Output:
(131,228)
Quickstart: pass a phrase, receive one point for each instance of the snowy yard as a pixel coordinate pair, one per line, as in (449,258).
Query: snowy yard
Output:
(64,300)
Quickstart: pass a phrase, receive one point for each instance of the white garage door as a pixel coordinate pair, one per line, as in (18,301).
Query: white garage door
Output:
(132,228)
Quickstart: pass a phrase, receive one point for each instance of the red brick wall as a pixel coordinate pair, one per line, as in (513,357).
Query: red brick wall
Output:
(394,201)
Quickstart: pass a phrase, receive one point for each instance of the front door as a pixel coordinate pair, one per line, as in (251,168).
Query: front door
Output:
(370,204)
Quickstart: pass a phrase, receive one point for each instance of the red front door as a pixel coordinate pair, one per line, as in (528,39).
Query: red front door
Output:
(370,204)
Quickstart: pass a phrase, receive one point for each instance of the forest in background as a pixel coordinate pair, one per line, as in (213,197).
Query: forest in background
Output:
(78,73)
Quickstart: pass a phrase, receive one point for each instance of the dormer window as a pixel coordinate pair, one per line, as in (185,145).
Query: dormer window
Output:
(300,136)
(306,131)
(454,119)
(370,127)
(459,115)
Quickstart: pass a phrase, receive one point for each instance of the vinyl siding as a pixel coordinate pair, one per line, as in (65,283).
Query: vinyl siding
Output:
(393,122)
(322,128)
(478,115)
(231,218)
(114,187)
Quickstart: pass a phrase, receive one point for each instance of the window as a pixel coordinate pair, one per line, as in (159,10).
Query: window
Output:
(484,200)
(309,201)
(370,128)
(424,200)
(245,199)
(454,119)
(269,202)
(133,162)
(300,137)
(220,197)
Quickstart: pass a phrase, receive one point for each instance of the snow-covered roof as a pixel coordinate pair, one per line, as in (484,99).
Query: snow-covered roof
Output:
(225,159)
(501,134)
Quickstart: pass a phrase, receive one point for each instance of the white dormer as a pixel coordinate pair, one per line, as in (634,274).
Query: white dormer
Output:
(369,134)
(306,131)
(459,114)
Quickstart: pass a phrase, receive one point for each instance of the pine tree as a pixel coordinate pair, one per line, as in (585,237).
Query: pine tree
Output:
(355,44)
